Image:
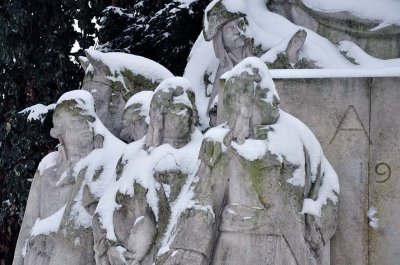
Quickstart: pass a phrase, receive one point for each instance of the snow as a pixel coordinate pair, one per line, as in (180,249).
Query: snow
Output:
(48,161)
(251,149)
(373,219)
(38,111)
(48,225)
(140,218)
(247,65)
(384,11)
(83,98)
(144,99)
(201,61)
(174,82)
(139,167)
(217,134)
(118,62)
(333,73)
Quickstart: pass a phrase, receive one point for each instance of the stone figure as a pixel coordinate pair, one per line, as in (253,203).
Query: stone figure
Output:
(138,232)
(51,188)
(226,30)
(253,207)
(112,86)
(135,117)
(173,114)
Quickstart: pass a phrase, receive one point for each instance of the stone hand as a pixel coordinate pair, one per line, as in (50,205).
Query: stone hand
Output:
(313,234)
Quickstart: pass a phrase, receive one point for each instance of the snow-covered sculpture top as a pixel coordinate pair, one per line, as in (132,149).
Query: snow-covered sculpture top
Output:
(112,78)
(173,114)
(263,181)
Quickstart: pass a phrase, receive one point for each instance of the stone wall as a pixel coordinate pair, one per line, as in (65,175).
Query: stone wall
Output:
(357,122)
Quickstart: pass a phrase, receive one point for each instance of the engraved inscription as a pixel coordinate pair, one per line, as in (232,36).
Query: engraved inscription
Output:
(350,122)
(382,169)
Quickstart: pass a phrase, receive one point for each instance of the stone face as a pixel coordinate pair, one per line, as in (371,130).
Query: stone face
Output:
(173,116)
(243,203)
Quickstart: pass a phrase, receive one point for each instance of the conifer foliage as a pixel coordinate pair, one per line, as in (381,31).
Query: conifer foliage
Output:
(162,30)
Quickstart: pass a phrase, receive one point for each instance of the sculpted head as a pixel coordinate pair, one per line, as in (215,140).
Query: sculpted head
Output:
(135,118)
(173,113)
(71,125)
(250,98)
(226,29)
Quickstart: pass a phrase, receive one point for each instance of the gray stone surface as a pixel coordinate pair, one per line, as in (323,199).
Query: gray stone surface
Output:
(357,126)
(384,189)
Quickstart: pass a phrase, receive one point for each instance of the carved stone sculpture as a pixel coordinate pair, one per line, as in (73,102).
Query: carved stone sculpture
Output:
(266,194)
(231,46)
(112,86)
(51,188)
(135,118)
(173,114)
(137,230)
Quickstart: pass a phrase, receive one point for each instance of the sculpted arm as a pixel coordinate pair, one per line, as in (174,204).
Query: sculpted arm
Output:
(30,216)
(319,230)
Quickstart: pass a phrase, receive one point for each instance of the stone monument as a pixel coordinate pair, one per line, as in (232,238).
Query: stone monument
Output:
(259,199)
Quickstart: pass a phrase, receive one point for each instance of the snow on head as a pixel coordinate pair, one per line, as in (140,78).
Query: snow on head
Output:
(143,98)
(84,100)
(118,62)
(253,65)
(173,83)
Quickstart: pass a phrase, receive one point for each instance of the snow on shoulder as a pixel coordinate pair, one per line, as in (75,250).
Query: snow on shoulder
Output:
(289,139)
(118,62)
(48,225)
